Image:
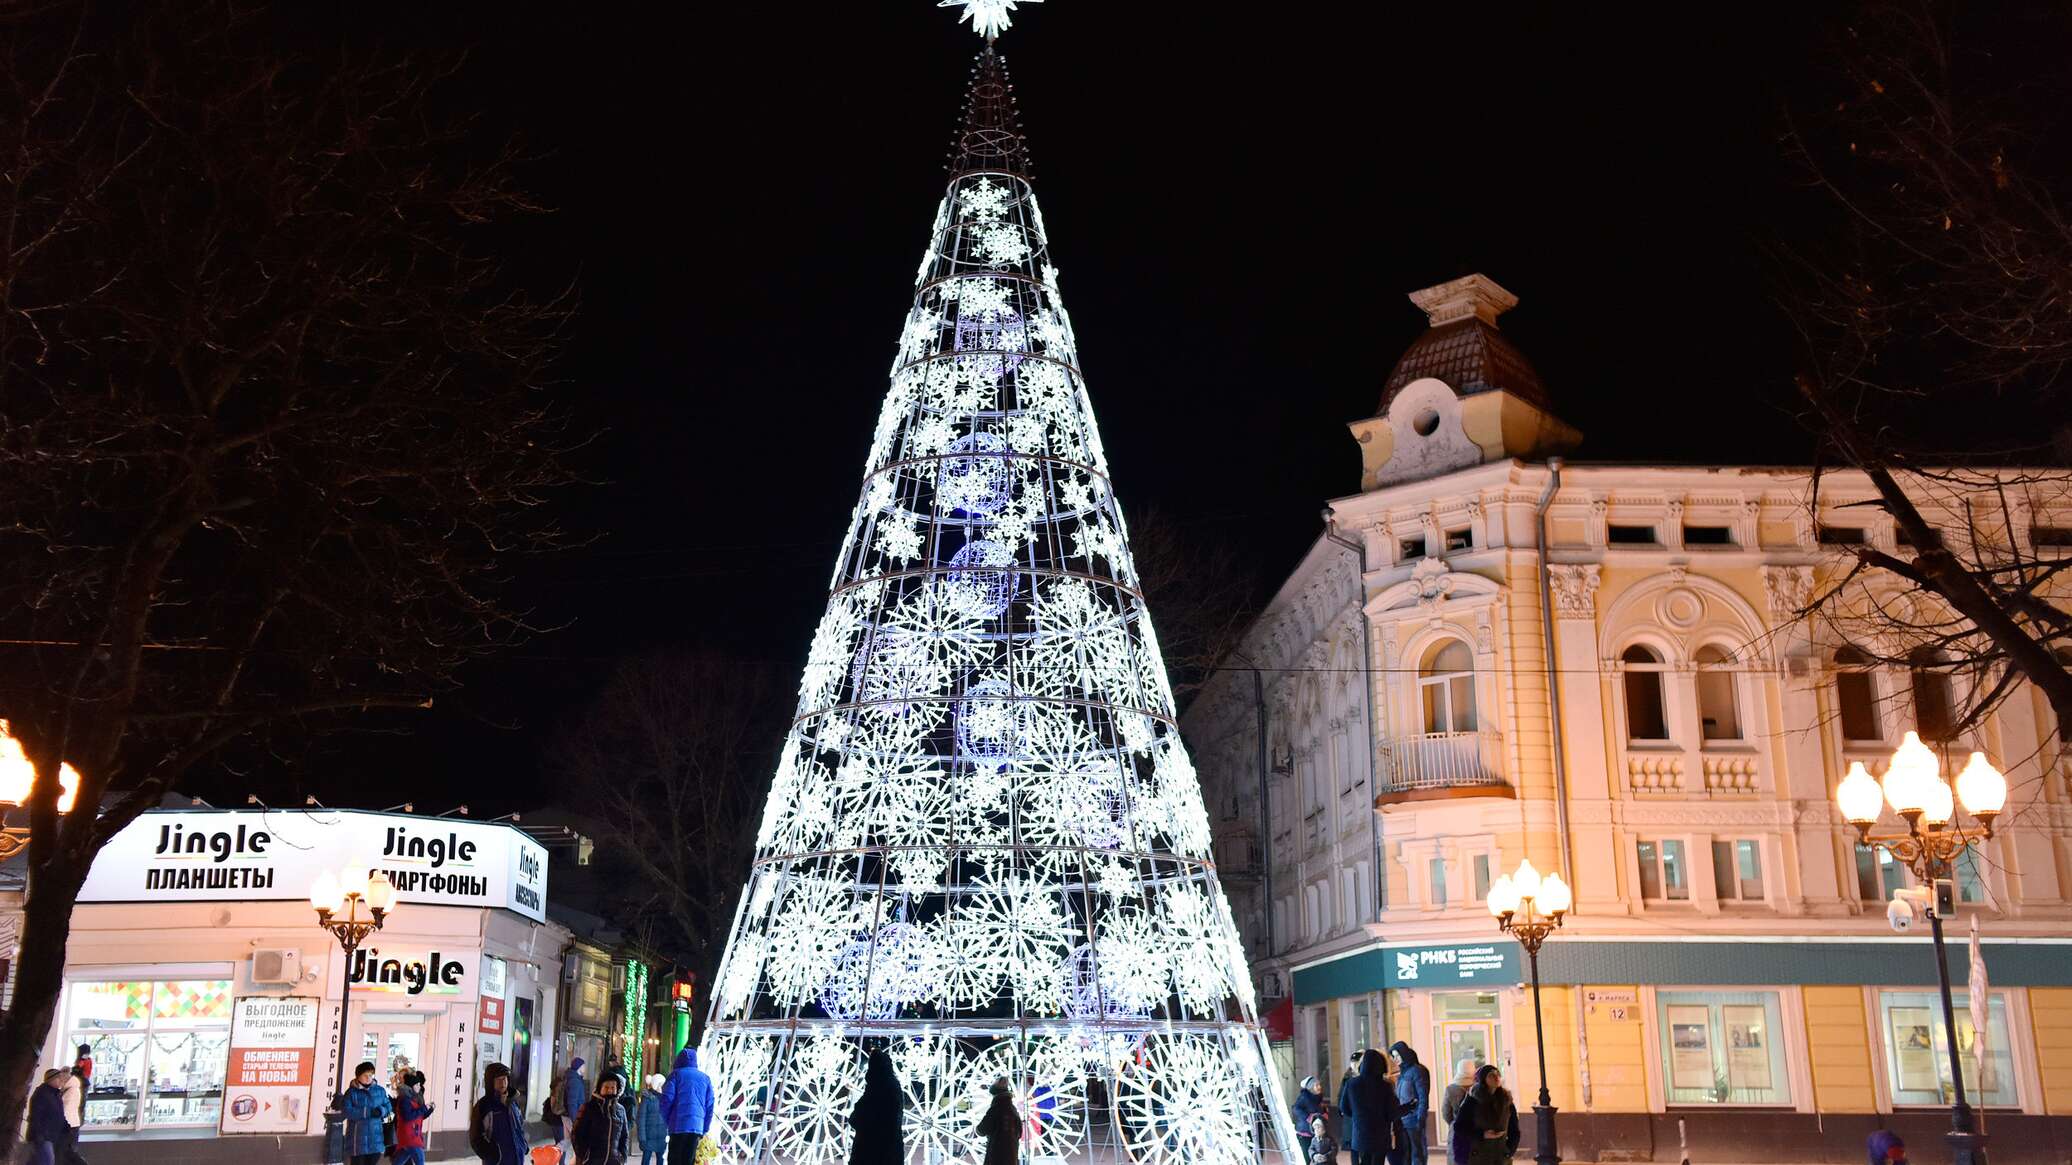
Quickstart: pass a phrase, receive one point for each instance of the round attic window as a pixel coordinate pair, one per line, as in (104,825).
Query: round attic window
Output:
(1426,422)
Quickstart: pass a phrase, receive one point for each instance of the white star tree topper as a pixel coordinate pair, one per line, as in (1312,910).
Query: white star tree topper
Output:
(989,18)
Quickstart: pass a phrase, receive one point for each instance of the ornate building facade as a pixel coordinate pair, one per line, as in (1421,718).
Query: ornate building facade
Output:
(1488,656)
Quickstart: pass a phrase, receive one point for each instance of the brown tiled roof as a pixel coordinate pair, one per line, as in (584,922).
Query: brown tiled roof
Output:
(1471,356)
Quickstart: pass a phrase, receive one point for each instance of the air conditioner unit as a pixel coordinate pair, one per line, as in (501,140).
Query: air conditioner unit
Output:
(276,966)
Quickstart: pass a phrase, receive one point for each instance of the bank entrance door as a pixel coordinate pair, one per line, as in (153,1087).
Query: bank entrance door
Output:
(1467,1025)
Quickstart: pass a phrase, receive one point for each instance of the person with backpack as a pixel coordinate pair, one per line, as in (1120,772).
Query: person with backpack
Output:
(411,1109)
(496,1130)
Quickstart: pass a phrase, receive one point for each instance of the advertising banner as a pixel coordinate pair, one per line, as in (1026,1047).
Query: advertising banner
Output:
(213,855)
(272,1065)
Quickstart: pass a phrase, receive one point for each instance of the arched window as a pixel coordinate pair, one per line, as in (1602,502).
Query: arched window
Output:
(1719,705)
(1644,708)
(1934,709)
(1856,696)
(1446,686)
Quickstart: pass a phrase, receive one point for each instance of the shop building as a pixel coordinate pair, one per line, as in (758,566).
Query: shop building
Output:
(1489,656)
(198,975)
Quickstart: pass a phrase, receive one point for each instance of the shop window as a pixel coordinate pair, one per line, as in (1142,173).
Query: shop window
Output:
(1363,1024)
(161,1050)
(1737,870)
(1664,871)
(1719,705)
(1446,688)
(1643,680)
(1856,696)
(1934,714)
(1437,870)
(1481,877)
(1722,1047)
(1917,1059)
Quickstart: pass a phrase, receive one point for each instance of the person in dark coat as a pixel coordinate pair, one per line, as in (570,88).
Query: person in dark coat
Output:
(1375,1117)
(47,1119)
(600,1135)
(652,1124)
(1309,1108)
(1413,1103)
(1885,1148)
(1001,1126)
(878,1120)
(496,1131)
(1485,1130)
(1346,1088)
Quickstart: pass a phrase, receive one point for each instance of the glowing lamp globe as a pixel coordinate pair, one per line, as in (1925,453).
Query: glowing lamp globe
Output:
(381,893)
(1503,897)
(325,895)
(1911,777)
(1982,788)
(1555,898)
(1859,796)
(68,788)
(1526,881)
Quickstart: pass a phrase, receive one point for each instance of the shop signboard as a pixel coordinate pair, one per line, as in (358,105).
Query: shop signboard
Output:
(273,1043)
(216,855)
(1467,964)
(412,973)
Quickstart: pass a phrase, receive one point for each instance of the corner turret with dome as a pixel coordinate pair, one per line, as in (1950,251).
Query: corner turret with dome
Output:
(985,847)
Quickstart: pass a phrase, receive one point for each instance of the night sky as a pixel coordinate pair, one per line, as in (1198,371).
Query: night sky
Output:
(1238,202)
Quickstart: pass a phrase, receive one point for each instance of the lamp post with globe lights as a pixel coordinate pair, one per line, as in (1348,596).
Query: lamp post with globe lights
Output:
(1529,907)
(339,902)
(1934,839)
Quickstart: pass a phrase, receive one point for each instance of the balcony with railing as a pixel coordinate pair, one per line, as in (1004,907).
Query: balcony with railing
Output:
(1432,765)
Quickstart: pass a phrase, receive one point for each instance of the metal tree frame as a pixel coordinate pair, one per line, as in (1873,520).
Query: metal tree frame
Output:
(985,844)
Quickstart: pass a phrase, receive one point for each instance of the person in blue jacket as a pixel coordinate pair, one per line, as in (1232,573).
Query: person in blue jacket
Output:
(1413,1102)
(496,1129)
(651,1123)
(687,1106)
(1375,1124)
(366,1107)
(1309,1107)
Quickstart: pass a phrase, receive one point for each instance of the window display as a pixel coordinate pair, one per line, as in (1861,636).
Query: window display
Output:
(1722,1047)
(1918,1058)
(160,1050)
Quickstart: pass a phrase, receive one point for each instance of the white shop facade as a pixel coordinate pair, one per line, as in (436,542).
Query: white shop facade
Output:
(198,974)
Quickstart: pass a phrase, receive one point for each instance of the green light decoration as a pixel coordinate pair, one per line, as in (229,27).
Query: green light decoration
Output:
(636,1020)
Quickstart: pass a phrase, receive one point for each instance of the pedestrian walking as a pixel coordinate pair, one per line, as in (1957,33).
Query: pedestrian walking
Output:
(1309,1109)
(651,1122)
(496,1130)
(1001,1126)
(687,1107)
(411,1109)
(46,1130)
(600,1134)
(1456,1092)
(366,1107)
(1885,1148)
(1375,1117)
(75,1111)
(878,1119)
(1413,1102)
(1485,1130)
(574,1094)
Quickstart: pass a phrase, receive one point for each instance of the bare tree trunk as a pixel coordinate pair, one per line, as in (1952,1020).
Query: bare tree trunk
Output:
(39,983)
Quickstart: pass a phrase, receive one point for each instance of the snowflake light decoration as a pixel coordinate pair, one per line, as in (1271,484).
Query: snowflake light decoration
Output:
(984,844)
(989,18)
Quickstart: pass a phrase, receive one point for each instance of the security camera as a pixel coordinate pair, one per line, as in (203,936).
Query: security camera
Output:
(1899,914)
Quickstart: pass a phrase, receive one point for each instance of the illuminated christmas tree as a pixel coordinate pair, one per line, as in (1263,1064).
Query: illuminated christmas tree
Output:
(985,845)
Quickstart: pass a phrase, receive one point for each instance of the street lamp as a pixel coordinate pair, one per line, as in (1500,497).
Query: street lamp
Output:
(339,901)
(17,778)
(1914,787)
(1529,907)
